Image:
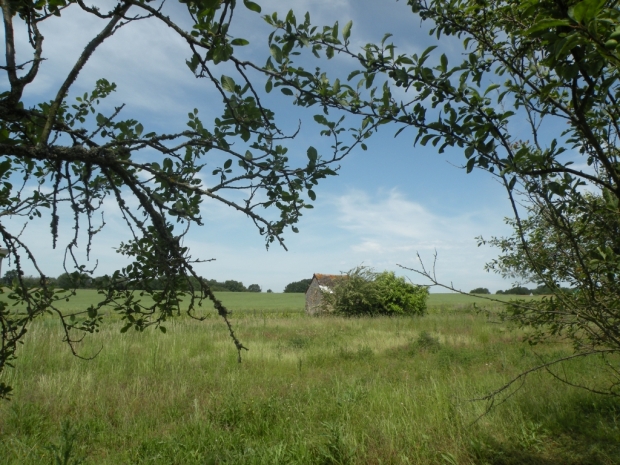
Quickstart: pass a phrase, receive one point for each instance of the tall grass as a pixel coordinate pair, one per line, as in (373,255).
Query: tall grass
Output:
(309,391)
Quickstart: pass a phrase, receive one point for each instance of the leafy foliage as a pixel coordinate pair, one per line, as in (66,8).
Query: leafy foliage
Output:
(298,286)
(579,248)
(480,290)
(516,290)
(533,101)
(66,157)
(362,291)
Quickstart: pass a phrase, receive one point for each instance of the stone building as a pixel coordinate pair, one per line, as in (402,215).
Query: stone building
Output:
(321,284)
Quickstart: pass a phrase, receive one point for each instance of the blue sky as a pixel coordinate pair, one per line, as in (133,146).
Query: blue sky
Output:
(386,205)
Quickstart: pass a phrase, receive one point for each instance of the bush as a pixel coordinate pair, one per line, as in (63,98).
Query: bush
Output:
(364,292)
(400,297)
(427,342)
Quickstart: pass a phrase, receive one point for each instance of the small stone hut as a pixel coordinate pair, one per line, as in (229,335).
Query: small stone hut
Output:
(321,284)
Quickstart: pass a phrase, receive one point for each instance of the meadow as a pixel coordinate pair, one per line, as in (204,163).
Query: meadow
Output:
(309,391)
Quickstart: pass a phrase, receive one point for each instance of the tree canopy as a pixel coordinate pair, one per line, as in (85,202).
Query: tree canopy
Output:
(64,159)
(298,286)
(533,101)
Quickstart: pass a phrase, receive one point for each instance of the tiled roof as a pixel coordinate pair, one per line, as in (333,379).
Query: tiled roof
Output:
(320,276)
(328,279)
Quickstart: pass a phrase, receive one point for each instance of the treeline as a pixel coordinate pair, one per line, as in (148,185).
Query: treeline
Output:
(520,290)
(298,286)
(85,281)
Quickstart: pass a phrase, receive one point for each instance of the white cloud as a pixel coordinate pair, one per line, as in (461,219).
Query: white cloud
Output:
(388,229)
(378,228)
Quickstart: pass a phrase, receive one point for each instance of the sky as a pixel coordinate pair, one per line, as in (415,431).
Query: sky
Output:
(387,205)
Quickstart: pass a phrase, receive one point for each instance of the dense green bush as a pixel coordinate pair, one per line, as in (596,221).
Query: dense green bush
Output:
(366,292)
(400,297)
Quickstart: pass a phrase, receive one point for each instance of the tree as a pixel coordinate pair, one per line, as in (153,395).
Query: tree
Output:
(480,290)
(74,280)
(298,286)
(551,64)
(66,151)
(586,311)
(517,290)
(234,286)
(254,288)
(9,277)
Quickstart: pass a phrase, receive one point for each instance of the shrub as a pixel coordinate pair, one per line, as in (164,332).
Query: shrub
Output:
(400,297)
(365,292)
(427,342)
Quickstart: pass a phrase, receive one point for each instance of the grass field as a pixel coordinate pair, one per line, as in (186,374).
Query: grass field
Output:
(309,391)
(272,302)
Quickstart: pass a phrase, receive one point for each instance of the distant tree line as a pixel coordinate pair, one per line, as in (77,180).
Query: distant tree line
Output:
(298,286)
(520,290)
(78,280)
(480,290)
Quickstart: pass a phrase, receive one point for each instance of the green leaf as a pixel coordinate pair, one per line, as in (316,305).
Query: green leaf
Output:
(252,6)
(444,62)
(369,80)
(239,42)
(312,154)
(227,164)
(346,30)
(228,83)
(320,119)
(286,91)
(139,128)
(491,88)
(268,86)
(586,10)
(212,4)
(470,164)
(276,53)
(512,183)
(162,329)
(312,195)
(547,24)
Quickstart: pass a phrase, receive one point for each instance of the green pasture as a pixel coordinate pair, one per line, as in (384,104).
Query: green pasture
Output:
(293,302)
(309,391)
